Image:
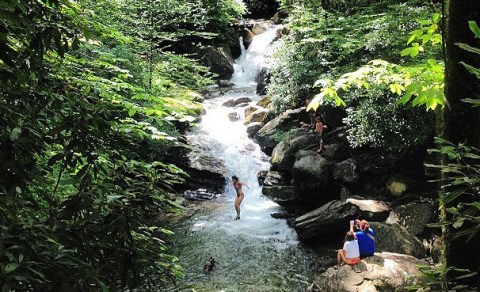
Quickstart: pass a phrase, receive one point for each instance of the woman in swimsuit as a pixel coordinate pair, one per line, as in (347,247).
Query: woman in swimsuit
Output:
(237,184)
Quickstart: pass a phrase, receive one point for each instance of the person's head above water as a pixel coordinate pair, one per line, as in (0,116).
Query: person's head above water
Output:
(234,178)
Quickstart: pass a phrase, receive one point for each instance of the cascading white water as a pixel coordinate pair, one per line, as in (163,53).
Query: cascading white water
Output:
(257,252)
(251,61)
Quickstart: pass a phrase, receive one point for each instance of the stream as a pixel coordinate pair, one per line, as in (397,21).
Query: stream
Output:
(257,252)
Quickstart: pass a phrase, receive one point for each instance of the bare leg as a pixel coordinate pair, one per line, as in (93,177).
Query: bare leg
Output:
(238,201)
(340,257)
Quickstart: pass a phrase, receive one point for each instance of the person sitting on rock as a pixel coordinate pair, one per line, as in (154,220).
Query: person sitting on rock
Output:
(350,254)
(365,236)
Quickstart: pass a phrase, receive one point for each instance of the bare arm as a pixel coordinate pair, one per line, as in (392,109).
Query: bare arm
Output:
(351,225)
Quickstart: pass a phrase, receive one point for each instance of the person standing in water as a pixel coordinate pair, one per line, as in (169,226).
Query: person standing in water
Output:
(237,184)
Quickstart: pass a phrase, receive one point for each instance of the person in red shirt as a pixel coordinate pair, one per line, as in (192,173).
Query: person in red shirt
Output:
(318,132)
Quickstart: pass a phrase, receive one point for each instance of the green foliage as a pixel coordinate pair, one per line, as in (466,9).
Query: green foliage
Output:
(88,107)
(326,44)
(433,279)
(375,119)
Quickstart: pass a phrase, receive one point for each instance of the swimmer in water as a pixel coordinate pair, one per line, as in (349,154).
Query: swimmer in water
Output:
(237,184)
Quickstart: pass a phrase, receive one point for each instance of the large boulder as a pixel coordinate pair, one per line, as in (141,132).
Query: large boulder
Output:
(247,37)
(325,222)
(282,195)
(253,128)
(219,60)
(311,175)
(270,134)
(346,171)
(274,178)
(414,216)
(257,116)
(382,272)
(370,210)
(395,238)
(283,155)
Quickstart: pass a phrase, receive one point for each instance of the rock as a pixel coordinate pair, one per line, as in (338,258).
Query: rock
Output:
(397,185)
(414,216)
(268,136)
(395,238)
(311,174)
(229,103)
(247,37)
(274,178)
(283,155)
(259,28)
(382,272)
(335,151)
(262,88)
(325,222)
(282,195)
(233,116)
(346,171)
(218,60)
(265,101)
(241,100)
(253,128)
(251,109)
(200,195)
(282,215)
(224,83)
(261,177)
(280,16)
(370,210)
(257,116)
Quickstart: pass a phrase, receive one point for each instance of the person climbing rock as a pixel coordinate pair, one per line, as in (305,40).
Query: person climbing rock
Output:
(319,132)
(237,184)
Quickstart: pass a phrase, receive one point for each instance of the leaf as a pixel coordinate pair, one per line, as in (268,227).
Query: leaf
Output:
(468,48)
(113,197)
(474,28)
(11,267)
(132,112)
(471,69)
(15,133)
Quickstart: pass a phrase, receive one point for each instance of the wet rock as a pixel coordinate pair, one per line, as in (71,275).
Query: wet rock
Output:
(414,216)
(261,177)
(259,28)
(395,238)
(280,16)
(346,171)
(200,195)
(282,195)
(251,109)
(325,221)
(224,83)
(233,116)
(265,101)
(241,100)
(370,210)
(382,272)
(253,128)
(219,60)
(236,102)
(282,215)
(274,178)
(257,116)
(269,135)
(247,37)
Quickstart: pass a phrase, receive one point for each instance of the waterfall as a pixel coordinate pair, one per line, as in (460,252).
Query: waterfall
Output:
(257,252)
(251,61)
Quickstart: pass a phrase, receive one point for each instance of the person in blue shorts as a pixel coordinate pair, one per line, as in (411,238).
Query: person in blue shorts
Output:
(365,236)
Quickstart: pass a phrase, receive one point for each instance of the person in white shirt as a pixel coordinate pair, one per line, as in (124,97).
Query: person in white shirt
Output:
(350,254)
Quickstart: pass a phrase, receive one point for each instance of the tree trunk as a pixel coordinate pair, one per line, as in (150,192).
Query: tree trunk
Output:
(461,122)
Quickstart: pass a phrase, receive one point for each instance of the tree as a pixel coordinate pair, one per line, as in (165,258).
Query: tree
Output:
(461,121)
